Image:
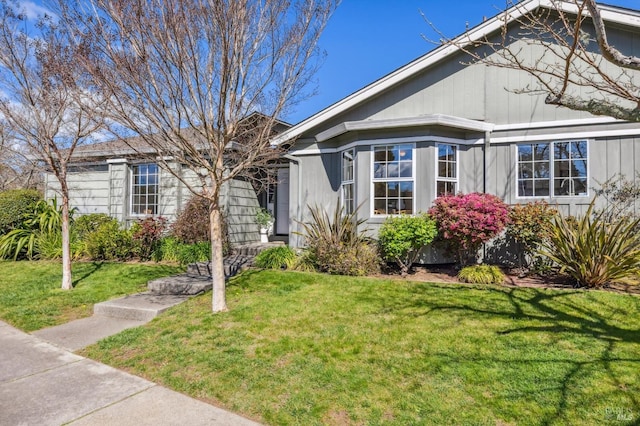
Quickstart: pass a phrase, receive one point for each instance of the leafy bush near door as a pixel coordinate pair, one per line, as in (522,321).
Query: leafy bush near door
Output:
(401,238)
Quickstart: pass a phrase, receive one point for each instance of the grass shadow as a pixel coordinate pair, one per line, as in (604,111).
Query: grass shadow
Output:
(95,267)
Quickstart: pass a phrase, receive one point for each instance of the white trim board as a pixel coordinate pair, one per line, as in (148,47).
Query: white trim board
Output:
(399,140)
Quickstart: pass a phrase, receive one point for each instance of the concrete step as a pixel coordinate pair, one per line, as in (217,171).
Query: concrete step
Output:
(138,307)
(183,284)
(233,264)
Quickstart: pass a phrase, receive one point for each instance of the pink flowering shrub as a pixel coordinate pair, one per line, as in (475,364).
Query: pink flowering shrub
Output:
(466,221)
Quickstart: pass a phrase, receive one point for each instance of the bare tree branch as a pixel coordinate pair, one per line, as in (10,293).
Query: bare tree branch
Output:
(44,102)
(568,56)
(187,77)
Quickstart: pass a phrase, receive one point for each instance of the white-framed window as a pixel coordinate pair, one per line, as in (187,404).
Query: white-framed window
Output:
(348,181)
(447,170)
(557,169)
(144,189)
(393,179)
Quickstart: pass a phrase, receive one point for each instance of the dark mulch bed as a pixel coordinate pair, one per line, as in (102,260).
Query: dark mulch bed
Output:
(448,274)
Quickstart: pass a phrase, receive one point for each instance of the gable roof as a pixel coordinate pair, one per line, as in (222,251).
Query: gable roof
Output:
(628,17)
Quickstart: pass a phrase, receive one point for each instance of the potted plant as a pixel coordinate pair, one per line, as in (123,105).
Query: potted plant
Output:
(264,219)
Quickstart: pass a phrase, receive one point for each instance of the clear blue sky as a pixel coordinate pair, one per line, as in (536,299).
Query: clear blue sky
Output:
(367,39)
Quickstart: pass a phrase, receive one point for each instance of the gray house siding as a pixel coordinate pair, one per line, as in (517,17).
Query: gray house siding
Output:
(109,191)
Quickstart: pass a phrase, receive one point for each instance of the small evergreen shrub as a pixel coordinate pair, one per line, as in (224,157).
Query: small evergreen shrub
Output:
(481,274)
(466,221)
(401,238)
(595,249)
(16,206)
(336,245)
(147,234)
(85,224)
(110,242)
(276,258)
(529,225)
(192,224)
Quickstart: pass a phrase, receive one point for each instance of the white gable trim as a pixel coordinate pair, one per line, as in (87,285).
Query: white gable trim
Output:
(609,13)
(572,135)
(426,120)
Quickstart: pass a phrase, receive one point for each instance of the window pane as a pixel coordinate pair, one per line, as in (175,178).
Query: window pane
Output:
(380,206)
(561,169)
(561,151)
(541,170)
(393,170)
(525,152)
(541,188)
(380,190)
(379,171)
(525,188)
(541,151)
(579,168)
(405,169)
(380,155)
(561,186)
(406,206)
(580,186)
(524,171)
(406,189)
(393,189)
(579,149)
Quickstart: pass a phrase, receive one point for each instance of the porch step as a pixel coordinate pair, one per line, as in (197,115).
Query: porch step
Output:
(138,307)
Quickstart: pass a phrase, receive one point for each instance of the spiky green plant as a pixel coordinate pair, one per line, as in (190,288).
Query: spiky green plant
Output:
(592,250)
(45,219)
(337,245)
(276,258)
(481,274)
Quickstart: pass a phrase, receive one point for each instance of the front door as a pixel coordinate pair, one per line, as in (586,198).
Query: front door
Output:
(282,202)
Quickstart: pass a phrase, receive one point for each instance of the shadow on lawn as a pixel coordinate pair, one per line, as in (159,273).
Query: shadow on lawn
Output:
(556,312)
(95,267)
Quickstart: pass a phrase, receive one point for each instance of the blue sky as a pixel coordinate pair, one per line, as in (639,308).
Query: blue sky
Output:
(367,39)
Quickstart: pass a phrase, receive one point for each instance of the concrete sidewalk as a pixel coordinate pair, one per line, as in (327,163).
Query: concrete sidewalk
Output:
(42,384)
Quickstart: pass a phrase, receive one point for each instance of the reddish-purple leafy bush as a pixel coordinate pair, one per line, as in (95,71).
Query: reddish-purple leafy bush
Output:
(466,221)
(147,234)
(192,224)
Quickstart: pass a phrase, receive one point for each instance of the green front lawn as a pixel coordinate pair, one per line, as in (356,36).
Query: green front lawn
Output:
(303,348)
(31,298)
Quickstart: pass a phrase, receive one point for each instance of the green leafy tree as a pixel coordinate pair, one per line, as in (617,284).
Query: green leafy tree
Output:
(402,237)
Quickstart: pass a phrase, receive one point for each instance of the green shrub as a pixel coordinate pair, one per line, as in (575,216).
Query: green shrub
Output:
(16,206)
(110,242)
(402,237)
(481,274)
(276,258)
(172,250)
(192,253)
(85,224)
(336,245)
(529,225)
(594,251)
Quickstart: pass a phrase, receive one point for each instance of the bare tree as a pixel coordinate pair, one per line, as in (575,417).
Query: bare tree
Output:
(573,64)
(187,76)
(43,103)
(17,169)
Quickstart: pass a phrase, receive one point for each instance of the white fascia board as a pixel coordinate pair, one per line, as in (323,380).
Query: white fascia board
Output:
(557,123)
(609,13)
(426,120)
(117,161)
(561,136)
(388,141)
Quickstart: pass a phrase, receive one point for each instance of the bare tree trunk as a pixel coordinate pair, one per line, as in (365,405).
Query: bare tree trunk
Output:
(219,303)
(66,246)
